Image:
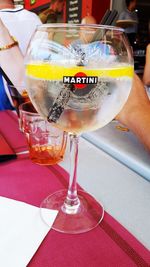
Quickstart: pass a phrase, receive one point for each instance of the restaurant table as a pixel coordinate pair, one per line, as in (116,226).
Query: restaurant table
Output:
(121,240)
(119,142)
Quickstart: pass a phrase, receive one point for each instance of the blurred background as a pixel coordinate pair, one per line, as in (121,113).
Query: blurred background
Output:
(73,11)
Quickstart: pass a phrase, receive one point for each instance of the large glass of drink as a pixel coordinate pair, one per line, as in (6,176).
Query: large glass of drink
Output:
(78,78)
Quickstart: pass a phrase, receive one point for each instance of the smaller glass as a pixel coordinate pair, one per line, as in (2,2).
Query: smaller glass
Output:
(19,95)
(46,143)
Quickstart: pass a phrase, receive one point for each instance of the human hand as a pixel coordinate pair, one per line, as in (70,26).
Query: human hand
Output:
(137,102)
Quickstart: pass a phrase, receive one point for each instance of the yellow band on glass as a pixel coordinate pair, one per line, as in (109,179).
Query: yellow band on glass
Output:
(5,47)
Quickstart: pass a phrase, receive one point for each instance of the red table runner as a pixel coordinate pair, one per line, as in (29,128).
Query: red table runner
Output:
(108,245)
(9,128)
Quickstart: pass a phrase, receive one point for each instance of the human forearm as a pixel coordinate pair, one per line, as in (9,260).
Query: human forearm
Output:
(136,112)
(11,59)
(44,15)
(139,123)
(146,74)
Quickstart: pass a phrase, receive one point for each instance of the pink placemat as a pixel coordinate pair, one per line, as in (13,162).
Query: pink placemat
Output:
(108,245)
(9,128)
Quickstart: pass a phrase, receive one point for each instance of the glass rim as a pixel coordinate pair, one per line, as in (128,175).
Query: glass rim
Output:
(71,26)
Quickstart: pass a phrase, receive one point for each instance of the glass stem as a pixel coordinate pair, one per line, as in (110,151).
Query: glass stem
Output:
(72,202)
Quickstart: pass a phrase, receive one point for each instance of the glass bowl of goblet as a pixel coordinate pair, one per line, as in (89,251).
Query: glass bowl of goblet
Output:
(78,78)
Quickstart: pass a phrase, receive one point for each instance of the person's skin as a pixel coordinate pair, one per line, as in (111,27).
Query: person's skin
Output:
(146,74)
(55,7)
(132,5)
(11,60)
(88,20)
(6,4)
(136,112)
(86,37)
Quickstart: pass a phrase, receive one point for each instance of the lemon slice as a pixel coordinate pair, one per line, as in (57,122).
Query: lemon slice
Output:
(55,72)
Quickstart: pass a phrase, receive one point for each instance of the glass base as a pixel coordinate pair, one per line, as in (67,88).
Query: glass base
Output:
(84,217)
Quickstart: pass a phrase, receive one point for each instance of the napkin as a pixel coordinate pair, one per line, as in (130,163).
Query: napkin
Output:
(21,231)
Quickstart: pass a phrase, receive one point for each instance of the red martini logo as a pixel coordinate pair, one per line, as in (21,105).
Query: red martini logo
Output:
(80,80)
